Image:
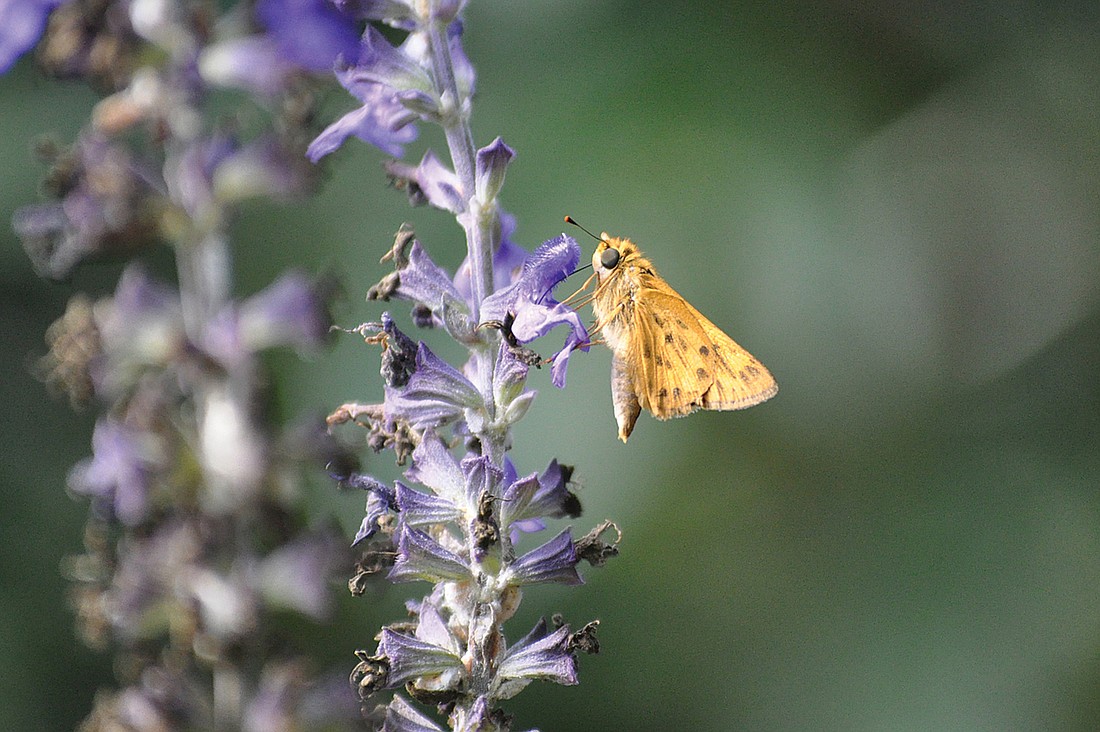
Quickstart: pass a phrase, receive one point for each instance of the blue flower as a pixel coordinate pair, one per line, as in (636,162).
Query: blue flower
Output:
(535,310)
(554,561)
(538,655)
(436,394)
(385,80)
(21,25)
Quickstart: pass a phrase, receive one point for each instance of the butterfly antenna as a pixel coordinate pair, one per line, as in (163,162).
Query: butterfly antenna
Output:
(570,220)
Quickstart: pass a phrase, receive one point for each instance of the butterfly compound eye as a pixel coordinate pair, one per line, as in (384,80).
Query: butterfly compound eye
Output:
(609,258)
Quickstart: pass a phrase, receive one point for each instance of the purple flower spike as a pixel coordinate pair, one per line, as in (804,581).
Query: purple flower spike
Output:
(21,25)
(492,161)
(538,656)
(536,311)
(554,561)
(420,557)
(403,717)
(437,393)
(410,658)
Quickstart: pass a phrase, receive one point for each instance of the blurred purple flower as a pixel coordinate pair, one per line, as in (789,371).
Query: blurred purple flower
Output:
(22,23)
(311,34)
(119,475)
(103,209)
(289,312)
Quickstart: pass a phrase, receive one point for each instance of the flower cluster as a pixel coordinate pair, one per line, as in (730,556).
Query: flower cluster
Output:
(457,521)
(197,533)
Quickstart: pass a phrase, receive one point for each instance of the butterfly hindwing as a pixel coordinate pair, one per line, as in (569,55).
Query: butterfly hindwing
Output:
(673,354)
(740,381)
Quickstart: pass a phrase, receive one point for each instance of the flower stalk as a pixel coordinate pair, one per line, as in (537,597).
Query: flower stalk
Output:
(459,522)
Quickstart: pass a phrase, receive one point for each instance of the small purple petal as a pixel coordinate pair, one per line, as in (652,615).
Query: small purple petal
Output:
(476,718)
(403,717)
(420,557)
(481,477)
(381,121)
(544,657)
(290,311)
(435,467)
(438,183)
(410,658)
(381,62)
(432,628)
(554,561)
(436,393)
(423,281)
(422,509)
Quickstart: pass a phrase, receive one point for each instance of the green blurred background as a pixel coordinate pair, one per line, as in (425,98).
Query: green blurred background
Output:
(893,205)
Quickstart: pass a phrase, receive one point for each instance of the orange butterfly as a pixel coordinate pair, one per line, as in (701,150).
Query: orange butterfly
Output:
(668,358)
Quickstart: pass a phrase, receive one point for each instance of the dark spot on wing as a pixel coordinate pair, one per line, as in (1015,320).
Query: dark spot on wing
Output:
(657,320)
(676,392)
(658,360)
(751,368)
(662,393)
(702,373)
(683,344)
(704,351)
(668,337)
(681,323)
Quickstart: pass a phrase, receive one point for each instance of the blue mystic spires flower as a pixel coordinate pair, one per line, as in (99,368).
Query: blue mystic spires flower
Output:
(21,25)
(530,302)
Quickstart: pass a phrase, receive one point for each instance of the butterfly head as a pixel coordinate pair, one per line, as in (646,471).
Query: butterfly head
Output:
(612,254)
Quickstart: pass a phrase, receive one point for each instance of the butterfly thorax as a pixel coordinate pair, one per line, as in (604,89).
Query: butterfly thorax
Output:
(618,287)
